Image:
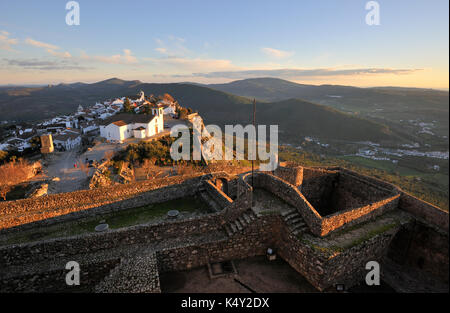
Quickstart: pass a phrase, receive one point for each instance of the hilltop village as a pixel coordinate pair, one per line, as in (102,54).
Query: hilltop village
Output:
(67,131)
(75,151)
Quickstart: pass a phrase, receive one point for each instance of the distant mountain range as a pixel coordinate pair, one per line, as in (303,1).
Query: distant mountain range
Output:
(275,89)
(231,104)
(397,107)
(380,101)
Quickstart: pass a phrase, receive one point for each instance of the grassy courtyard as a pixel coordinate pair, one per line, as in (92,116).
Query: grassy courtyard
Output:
(187,206)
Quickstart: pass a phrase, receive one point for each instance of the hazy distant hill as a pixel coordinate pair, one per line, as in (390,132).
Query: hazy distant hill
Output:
(295,117)
(274,89)
(393,106)
(18,103)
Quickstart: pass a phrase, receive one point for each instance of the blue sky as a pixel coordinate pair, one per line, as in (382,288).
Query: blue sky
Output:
(217,41)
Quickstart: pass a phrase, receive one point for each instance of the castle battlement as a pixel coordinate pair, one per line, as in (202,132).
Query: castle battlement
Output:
(327,223)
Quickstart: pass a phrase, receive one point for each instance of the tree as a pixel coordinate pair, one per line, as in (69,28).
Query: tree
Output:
(35,143)
(3,155)
(13,173)
(108,155)
(168,97)
(83,167)
(127,106)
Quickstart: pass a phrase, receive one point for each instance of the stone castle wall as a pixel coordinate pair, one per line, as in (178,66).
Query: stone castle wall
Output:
(18,212)
(188,243)
(267,232)
(293,175)
(179,188)
(424,211)
(319,225)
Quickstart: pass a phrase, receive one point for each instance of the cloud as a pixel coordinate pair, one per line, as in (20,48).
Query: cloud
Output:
(51,49)
(275,53)
(6,42)
(59,54)
(40,44)
(192,64)
(173,47)
(125,58)
(44,65)
(161,50)
(302,73)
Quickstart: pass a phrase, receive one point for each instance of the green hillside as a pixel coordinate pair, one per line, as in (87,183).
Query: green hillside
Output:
(295,117)
(301,118)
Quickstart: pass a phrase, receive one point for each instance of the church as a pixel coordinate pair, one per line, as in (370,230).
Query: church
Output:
(122,126)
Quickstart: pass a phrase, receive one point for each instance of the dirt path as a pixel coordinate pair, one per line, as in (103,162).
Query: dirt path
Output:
(62,166)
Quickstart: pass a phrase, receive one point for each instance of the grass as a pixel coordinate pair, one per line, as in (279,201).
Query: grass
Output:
(359,239)
(370,234)
(326,250)
(115,220)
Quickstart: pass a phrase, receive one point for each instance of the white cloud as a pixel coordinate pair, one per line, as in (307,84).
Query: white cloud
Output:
(59,54)
(51,49)
(275,53)
(173,47)
(6,42)
(294,73)
(161,50)
(40,44)
(193,64)
(125,58)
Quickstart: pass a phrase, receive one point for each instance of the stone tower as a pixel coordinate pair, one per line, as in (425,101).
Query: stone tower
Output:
(46,144)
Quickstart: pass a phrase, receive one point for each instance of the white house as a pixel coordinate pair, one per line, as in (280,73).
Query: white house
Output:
(125,125)
(139,132)
(68,140)
(168,106)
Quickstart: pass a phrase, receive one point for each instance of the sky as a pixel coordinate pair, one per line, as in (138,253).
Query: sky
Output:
(210,41)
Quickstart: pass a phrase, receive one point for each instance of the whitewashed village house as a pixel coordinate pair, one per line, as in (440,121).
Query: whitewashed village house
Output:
(169,107)
(67,140)
(125,125)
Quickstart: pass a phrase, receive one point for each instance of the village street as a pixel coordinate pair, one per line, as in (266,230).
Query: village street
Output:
(65,177)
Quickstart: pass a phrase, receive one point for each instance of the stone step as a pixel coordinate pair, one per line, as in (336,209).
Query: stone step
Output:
(290,211)
(298,226)
(209,200)
(303,229)
(229,230)
(294,220)
(291,216)
(242,221)
(246,218)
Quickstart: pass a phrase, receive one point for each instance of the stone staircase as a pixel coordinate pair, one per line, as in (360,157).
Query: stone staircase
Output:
(240,223)
(206,197)
(294,221)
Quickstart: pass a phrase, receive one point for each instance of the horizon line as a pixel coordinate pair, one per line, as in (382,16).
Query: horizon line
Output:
(207,84)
